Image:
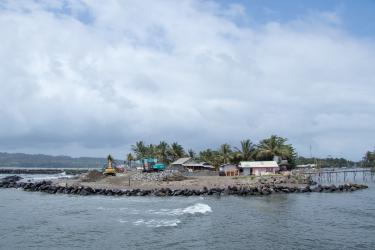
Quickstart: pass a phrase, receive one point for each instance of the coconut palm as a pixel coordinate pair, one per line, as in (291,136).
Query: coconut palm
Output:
(191,153)
(274,146)
(247,150)
(225,152)
(151,151)
(162,152)
(176,151)
(140,150)
(212,157)
(130,158)
(369,159)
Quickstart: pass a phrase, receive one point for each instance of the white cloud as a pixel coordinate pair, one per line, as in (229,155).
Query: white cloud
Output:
(81,77)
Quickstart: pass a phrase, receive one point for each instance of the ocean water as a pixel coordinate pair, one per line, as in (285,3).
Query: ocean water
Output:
(280,221)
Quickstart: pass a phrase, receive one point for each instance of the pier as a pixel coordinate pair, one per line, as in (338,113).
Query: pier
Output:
(341,175)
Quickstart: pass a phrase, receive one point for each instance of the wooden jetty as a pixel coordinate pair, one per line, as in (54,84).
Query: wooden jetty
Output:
(344,175)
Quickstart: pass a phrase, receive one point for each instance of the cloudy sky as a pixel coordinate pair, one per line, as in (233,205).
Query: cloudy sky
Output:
(87,77)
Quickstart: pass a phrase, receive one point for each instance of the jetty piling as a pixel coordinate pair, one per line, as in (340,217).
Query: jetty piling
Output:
(330,175)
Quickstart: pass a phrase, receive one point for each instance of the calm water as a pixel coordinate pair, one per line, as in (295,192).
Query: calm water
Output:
(285,221)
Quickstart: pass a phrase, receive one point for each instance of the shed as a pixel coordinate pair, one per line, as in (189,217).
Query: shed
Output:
(229,170)
(192,166)
(259,167)
(178,164)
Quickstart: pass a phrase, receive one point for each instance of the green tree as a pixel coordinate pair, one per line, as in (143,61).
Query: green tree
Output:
(368,160)
(162,152)
(212,157)
(273,146)
(191,153)
(129,159)
(140,150)
(176,151)
(268,148)
(151,151)
(225,152)
(247,150)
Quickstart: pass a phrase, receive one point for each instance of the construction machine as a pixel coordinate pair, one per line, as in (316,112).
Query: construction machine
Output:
(109,168)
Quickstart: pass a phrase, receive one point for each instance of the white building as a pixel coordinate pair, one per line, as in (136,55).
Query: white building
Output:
(259,167)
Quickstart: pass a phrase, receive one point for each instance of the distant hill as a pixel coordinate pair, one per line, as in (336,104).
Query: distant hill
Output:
(47,161)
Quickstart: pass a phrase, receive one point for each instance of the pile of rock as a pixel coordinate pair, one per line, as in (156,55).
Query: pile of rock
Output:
(10,181)
(175,177)
(158,176)
(91,176)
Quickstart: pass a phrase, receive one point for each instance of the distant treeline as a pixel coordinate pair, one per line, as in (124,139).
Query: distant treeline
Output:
(20,160)
(266,149)
(326,162)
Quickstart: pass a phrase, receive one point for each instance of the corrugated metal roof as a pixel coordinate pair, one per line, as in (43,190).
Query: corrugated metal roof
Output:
(181,161)
(203,165)
(258,164)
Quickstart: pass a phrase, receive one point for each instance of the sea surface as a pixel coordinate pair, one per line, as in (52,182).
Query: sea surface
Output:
(281,221)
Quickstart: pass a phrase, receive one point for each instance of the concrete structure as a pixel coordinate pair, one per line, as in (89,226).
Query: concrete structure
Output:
(259,167)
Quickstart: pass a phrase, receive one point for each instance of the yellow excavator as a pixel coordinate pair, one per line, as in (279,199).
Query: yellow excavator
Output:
(109,169)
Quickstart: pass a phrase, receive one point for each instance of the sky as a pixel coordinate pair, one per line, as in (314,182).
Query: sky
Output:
(92,77)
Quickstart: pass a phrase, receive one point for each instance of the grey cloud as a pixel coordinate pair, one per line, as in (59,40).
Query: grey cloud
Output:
(179,72)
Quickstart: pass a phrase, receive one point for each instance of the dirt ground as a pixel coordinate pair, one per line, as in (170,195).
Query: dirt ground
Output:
(193,183)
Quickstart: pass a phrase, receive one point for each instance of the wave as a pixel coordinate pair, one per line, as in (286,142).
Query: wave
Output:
(158,223)
(46,176)
(198,208)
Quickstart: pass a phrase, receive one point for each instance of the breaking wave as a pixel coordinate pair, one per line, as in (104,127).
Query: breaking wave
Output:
(198,208)
(157,223)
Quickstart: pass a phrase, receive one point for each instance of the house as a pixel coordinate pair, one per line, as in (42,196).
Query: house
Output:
(193,166)
(259,167)
(188,164)
(178,164)
(229,170)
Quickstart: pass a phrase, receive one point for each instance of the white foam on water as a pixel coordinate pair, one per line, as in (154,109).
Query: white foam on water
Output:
(198,208)
(46,176)
(157,223)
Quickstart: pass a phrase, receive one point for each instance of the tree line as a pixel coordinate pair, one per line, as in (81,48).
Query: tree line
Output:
(266,149)
(325,162)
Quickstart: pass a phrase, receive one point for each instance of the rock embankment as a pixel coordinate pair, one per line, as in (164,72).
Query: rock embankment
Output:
(52,188)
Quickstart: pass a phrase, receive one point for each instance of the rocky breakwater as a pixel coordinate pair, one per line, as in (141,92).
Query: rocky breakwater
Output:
(53,188)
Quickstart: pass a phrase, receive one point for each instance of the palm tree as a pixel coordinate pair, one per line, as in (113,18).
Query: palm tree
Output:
(274,146)
(151,151)
(225,152)
(176,151)
(369,159)
(130,158)
(162,152)
(211,156)
(140,150)
(191,153)
(247,151)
